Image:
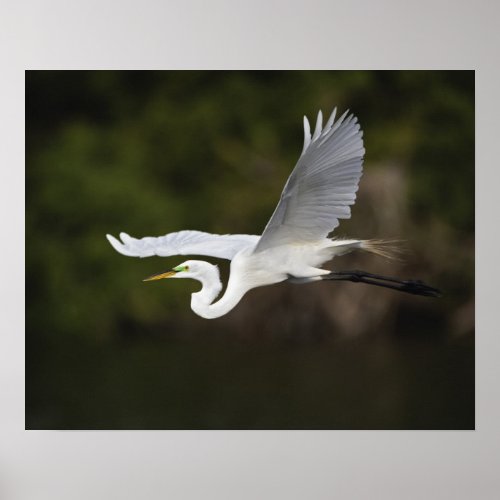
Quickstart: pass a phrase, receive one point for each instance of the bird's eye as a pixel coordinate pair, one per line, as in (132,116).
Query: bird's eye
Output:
(186,268)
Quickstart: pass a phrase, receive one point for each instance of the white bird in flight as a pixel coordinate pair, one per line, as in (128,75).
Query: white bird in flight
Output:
(295,242)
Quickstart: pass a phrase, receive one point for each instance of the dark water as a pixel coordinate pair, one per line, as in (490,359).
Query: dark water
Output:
(166,382)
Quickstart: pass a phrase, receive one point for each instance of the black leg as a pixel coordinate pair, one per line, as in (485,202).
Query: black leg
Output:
(415,287)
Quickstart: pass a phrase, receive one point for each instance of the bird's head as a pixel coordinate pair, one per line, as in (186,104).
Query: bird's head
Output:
(204,272)
(194,269)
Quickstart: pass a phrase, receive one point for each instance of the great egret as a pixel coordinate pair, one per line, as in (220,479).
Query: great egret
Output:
(294,244)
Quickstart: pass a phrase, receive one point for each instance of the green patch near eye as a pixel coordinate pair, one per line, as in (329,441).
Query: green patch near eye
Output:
(178,269)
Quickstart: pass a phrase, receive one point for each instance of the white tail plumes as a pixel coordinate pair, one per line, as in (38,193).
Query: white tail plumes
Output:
(389,249)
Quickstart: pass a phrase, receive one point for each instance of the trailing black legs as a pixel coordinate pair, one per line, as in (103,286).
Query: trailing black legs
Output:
(415,287)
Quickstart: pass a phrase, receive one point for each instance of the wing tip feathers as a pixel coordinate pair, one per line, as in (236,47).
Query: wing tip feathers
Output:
(118,245)
(307,134)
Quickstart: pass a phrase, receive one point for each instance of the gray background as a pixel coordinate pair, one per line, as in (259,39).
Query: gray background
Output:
(254,35)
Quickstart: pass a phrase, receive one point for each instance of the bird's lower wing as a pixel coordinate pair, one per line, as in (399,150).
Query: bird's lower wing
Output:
(224,246)
(321,187)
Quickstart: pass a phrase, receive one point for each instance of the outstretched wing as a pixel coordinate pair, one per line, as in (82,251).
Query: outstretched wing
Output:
(321,187)
(224,246)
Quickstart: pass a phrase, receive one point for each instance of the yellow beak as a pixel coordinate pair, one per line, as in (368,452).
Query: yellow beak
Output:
(160,276)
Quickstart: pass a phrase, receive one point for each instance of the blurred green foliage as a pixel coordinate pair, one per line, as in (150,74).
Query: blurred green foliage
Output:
(153,152)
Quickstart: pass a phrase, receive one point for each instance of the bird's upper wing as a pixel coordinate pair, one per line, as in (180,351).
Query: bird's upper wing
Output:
(224,246)
(322,185)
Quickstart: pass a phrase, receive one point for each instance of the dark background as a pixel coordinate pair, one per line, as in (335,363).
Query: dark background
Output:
(154,152)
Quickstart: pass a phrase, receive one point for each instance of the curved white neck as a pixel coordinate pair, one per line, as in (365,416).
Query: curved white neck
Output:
(201,302)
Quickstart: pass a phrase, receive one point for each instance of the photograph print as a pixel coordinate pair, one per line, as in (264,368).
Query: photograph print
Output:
(250,250)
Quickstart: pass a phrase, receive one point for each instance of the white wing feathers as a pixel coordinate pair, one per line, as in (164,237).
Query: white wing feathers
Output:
(317,194)
(184,243)
(321,187)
